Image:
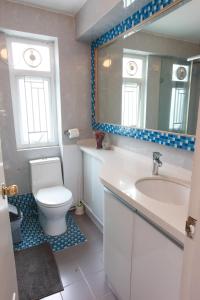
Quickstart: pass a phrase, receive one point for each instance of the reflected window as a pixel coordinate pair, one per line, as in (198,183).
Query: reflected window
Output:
(127,3)
(133,90)
(130,104)
(178,108)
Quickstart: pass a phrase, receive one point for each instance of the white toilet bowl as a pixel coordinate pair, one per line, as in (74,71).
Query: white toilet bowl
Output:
(53,204)
(52,198)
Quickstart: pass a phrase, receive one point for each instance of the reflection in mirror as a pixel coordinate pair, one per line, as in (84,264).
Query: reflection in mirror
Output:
(145,81)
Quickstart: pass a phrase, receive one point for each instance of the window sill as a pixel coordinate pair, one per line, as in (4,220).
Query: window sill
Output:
(37,148)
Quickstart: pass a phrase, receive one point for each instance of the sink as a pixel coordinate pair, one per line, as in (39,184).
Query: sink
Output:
(164,190)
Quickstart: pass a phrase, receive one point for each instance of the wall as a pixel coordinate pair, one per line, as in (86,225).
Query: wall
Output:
(97,17)
(194,96)
(170,155)
(92,12)
(74,85)
(109,92)
(153,90)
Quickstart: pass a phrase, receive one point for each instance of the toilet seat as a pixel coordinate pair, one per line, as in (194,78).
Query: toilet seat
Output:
(54,196)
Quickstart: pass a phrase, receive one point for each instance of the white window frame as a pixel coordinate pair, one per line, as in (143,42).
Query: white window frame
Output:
(141,82)
(50,76)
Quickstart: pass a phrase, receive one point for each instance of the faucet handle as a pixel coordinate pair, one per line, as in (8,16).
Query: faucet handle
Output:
(156,155)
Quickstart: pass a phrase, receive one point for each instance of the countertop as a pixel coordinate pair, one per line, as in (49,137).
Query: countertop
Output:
(121,169)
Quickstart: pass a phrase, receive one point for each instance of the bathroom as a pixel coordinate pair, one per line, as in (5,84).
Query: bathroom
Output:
(100,143)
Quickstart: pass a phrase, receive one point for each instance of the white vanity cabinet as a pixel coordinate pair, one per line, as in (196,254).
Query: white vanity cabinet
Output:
(141,263)
(118,240)
(156,264)
(93,189)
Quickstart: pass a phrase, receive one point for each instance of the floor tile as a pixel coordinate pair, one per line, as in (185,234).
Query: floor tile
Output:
(53,297)
(109,296)
(90,263)
(68,267)
(97,282)
(87,248)
(88,227)
(77,291)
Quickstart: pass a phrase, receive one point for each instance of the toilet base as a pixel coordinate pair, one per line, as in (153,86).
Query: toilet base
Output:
(52,226)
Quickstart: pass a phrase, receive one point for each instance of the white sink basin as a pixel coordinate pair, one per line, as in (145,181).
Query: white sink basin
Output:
(164,190)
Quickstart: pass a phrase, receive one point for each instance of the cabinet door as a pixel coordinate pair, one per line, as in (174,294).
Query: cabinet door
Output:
(98,191)
(93,188)
(118,235)
(88,177)
(156,264)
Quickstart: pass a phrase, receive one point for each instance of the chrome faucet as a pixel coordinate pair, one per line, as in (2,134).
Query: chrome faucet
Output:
(157,163)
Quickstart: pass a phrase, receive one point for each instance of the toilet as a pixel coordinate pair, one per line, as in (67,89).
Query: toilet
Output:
(52,198)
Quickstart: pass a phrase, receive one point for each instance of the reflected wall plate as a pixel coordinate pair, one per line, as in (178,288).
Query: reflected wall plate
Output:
(132,68)
(181,73)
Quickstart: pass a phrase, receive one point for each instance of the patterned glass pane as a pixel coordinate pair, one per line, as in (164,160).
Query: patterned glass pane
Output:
(30,57)
(35,110)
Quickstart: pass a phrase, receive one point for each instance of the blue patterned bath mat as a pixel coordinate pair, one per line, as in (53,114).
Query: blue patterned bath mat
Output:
(32,232)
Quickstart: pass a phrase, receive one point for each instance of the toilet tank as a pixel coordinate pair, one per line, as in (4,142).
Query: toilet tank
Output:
(45,172)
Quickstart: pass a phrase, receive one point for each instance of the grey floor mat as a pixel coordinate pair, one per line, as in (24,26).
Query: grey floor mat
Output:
(37,273)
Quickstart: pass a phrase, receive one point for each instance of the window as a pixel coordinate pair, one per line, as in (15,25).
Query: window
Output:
(130,104)
(177,110)
(127,3)
(133,90)
(179,98)
(33,92)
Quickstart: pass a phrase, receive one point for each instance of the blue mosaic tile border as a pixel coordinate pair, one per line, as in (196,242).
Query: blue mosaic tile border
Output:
(32,233)
(163,138)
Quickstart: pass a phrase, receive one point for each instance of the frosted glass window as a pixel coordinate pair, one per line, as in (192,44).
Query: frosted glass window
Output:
(177,110)
(30,57)
(33,93)
(130,104)
(133,90)
(35,110)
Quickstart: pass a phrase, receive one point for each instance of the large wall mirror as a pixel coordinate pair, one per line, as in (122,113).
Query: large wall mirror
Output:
(149,79)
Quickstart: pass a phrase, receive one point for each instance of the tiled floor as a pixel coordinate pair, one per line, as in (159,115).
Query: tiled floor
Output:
(81,267)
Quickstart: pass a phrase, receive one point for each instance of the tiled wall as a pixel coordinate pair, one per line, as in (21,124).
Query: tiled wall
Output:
(177,157)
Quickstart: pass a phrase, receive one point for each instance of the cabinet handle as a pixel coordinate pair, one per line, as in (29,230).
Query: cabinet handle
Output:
(11,190)
(190,227)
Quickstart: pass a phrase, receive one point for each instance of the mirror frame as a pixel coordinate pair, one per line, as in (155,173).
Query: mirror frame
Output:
(148,13)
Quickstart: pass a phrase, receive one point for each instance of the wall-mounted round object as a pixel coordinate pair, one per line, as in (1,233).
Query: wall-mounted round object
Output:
(32,57)
(132,68)
(181,73)
(4,54)
(107,63)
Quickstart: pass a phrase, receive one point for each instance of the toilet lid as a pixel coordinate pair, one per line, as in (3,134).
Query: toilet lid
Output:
(54,196)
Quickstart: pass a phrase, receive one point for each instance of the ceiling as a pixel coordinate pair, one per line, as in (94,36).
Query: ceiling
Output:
(70,7)
(183,23)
